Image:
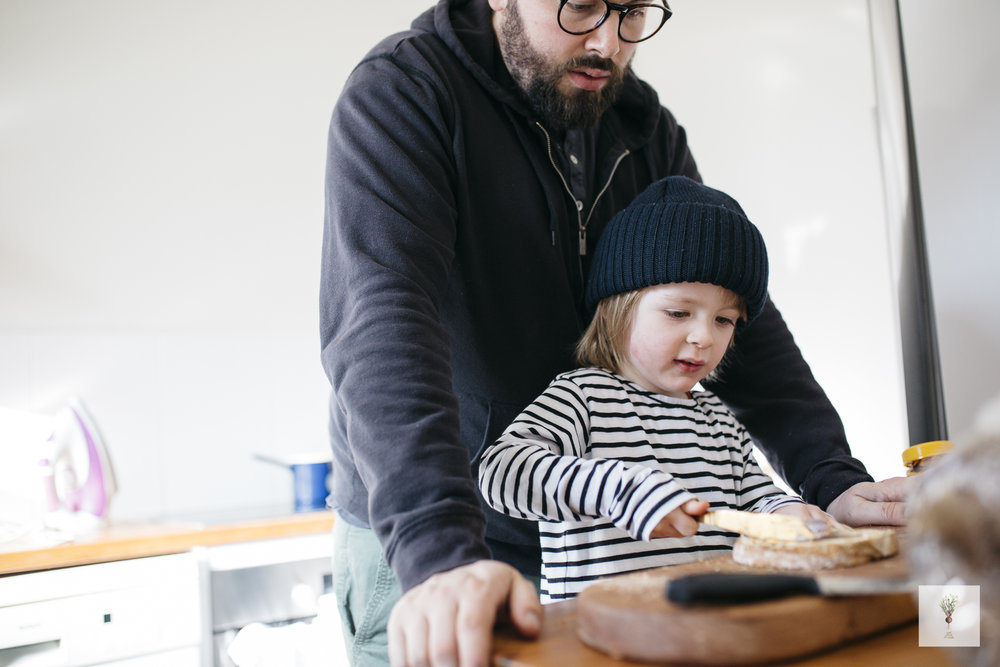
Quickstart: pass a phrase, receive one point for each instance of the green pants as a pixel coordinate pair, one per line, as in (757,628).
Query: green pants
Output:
(366,590)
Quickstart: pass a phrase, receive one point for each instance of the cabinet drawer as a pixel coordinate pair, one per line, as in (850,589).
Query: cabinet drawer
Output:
(99,613)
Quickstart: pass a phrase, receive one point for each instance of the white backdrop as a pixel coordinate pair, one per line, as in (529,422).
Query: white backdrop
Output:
(161,172)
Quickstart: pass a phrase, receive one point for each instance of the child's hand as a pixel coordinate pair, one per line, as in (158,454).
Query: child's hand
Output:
(809,513)
(681,522)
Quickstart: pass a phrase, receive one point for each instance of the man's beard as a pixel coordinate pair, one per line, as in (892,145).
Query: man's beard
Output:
(539,80)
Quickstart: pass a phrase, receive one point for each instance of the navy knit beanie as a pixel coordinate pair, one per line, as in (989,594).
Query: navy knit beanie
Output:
(678,230)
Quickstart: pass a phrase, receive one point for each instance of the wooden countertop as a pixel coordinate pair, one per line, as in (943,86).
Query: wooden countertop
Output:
(123,540)
(558,646)
(893,641)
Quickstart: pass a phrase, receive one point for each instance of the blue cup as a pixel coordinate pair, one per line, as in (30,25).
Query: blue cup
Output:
(311,485)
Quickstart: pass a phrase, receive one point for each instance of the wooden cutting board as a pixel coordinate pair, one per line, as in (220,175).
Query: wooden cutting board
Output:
(629,617)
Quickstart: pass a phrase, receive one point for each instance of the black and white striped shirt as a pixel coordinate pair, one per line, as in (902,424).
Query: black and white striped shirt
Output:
(599,461)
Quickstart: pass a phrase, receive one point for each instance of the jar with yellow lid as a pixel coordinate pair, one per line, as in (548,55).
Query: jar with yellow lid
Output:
(918,457)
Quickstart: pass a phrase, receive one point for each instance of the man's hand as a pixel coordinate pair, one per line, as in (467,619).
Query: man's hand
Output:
(449,619)
(873,504)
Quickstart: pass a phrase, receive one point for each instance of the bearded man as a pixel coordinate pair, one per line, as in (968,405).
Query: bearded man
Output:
(472,162)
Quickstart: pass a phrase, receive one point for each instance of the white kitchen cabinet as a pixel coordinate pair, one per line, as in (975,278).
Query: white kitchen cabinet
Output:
(143,612)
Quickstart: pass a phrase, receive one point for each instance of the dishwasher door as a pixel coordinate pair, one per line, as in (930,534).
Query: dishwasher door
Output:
(270,582)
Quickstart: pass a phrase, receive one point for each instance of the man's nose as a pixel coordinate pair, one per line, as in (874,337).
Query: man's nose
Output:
(604,41)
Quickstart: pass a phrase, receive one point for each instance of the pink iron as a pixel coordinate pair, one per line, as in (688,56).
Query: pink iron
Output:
(77,473)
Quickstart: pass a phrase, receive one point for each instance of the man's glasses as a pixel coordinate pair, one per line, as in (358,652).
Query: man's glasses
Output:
(636,22)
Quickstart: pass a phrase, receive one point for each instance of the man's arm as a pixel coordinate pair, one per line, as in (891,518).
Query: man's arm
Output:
(387,253)
(772,391)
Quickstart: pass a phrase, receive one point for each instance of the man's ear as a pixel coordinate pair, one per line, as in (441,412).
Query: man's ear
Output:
(498,5)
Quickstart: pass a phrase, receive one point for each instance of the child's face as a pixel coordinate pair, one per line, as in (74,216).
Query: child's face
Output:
(679,334)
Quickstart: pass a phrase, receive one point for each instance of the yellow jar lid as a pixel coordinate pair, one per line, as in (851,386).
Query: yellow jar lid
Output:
(926,449)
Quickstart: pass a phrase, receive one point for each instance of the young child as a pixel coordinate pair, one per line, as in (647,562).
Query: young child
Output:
(624,451)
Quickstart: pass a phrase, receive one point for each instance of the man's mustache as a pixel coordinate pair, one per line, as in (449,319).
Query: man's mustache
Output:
(592,62)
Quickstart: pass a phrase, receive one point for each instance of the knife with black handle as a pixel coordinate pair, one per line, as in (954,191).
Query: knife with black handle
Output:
(740,587)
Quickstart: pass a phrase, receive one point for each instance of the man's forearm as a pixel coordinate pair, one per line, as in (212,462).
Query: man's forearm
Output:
(771,389)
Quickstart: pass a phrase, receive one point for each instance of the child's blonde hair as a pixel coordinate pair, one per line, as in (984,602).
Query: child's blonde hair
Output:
(604,342)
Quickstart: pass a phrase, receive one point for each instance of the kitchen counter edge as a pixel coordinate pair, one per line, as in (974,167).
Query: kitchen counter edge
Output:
(125,540)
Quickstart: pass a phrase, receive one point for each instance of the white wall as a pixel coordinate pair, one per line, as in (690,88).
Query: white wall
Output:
(952,57)
(161,172)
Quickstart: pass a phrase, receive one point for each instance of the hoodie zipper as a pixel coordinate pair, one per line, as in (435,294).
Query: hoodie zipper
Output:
(580,220)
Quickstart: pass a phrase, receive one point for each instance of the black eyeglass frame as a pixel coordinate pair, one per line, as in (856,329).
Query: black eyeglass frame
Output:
(622,11)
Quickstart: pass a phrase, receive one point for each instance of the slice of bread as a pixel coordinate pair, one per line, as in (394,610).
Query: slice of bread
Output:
(861,546)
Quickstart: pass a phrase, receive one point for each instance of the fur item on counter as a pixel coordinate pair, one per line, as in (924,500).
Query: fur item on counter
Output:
(954,535)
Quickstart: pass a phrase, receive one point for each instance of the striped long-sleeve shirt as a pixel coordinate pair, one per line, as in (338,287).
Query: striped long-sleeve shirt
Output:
(599,461)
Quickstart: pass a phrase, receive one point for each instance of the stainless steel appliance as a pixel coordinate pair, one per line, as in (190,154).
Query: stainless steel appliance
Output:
(271,582)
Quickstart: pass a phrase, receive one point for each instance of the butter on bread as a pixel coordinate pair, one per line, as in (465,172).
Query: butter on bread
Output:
(760,526)
(860,546)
